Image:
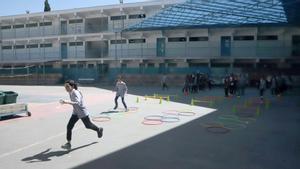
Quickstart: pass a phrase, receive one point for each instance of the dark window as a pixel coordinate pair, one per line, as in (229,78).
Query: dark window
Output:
(73,21)
(48,66)
(179,39)
(172,64)
(118,41)
(46,45)
(80,66)
(137,16)
(32,46)
(268,37)
(73,66)
(19,46)
(123,65)
(90,65)
(6,27)
(240,38)
(45,23)
(30,25)
(202,38)
(18,26)
(121,17)
(6,47)
(76,44)
(137,40)
(64,66)
(151,65)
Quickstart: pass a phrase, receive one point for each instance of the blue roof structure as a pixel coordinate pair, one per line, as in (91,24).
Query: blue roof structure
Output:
(208,13)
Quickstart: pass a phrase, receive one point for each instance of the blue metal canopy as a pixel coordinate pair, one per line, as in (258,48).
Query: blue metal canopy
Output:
(208,13)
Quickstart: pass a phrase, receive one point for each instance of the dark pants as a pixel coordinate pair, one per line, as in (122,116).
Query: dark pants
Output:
(116,102)
(261,93)
(86,121)
(164,86)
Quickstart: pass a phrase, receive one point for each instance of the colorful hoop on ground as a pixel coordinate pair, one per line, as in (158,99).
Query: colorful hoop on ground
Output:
(186,113)
(167,119)
(152,122)
(101,119)
(171,112)
(217,129)
(154,118)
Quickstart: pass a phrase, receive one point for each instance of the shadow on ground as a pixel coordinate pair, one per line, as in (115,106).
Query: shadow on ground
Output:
(47,154)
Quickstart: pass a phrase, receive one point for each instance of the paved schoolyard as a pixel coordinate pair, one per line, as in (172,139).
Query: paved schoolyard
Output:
(267,137)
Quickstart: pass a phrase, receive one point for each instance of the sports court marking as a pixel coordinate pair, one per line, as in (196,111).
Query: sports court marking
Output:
(36,143)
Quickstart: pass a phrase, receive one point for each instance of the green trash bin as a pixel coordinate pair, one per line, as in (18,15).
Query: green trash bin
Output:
(10,97)
(2,97)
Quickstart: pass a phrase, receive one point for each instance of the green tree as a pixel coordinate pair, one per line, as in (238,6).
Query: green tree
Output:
(47,6)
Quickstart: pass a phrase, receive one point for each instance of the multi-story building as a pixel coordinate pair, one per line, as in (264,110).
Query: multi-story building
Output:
(174,36)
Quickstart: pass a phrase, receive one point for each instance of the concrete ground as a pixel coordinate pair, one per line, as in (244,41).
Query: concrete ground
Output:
(253,136)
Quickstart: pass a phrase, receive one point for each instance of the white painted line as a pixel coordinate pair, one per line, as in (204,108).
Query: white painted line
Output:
(36,143)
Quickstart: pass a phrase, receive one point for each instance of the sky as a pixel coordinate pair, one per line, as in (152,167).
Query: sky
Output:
(15,7)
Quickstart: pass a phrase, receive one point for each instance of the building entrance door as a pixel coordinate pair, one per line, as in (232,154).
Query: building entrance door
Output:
(225,46)
(160,47)
(64,50)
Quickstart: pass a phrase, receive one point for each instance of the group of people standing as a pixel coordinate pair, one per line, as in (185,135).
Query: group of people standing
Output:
(236,84)
(196,82)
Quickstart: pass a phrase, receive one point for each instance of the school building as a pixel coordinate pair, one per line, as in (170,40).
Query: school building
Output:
(144,40)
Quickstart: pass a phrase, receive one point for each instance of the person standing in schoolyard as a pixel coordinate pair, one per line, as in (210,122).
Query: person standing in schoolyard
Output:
(164,82)
(262,88)
(79,112)
(121,90)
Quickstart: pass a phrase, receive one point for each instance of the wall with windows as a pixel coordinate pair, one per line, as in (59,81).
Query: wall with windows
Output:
(76,50)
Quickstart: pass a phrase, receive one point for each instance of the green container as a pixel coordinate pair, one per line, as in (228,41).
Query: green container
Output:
(10,97)
(2,97)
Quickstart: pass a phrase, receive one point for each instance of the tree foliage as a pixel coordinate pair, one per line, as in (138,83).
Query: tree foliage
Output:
(47,6)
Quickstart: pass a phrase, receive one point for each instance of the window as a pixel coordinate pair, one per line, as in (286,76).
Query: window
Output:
(179,39)
(201,38)
(123,41)
(6,27)
(268,37)
(73,66)
(31,25)
(90,65)
(45,23)
(76,44)
(151,65)
(18,26)
(120,17)
(123,65)
(137,16)
(32,46)
(243,38)
(172,64)
(73,21)
(49,66)
(19,46)
(6,47)
(46,45)
(137,40)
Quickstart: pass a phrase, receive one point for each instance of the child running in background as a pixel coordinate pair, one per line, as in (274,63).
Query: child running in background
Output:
(79,112)
(121,90)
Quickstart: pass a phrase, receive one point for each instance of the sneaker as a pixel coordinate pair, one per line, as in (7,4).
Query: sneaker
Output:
(126,109)
(100,132)
(115,108)
(66,146)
